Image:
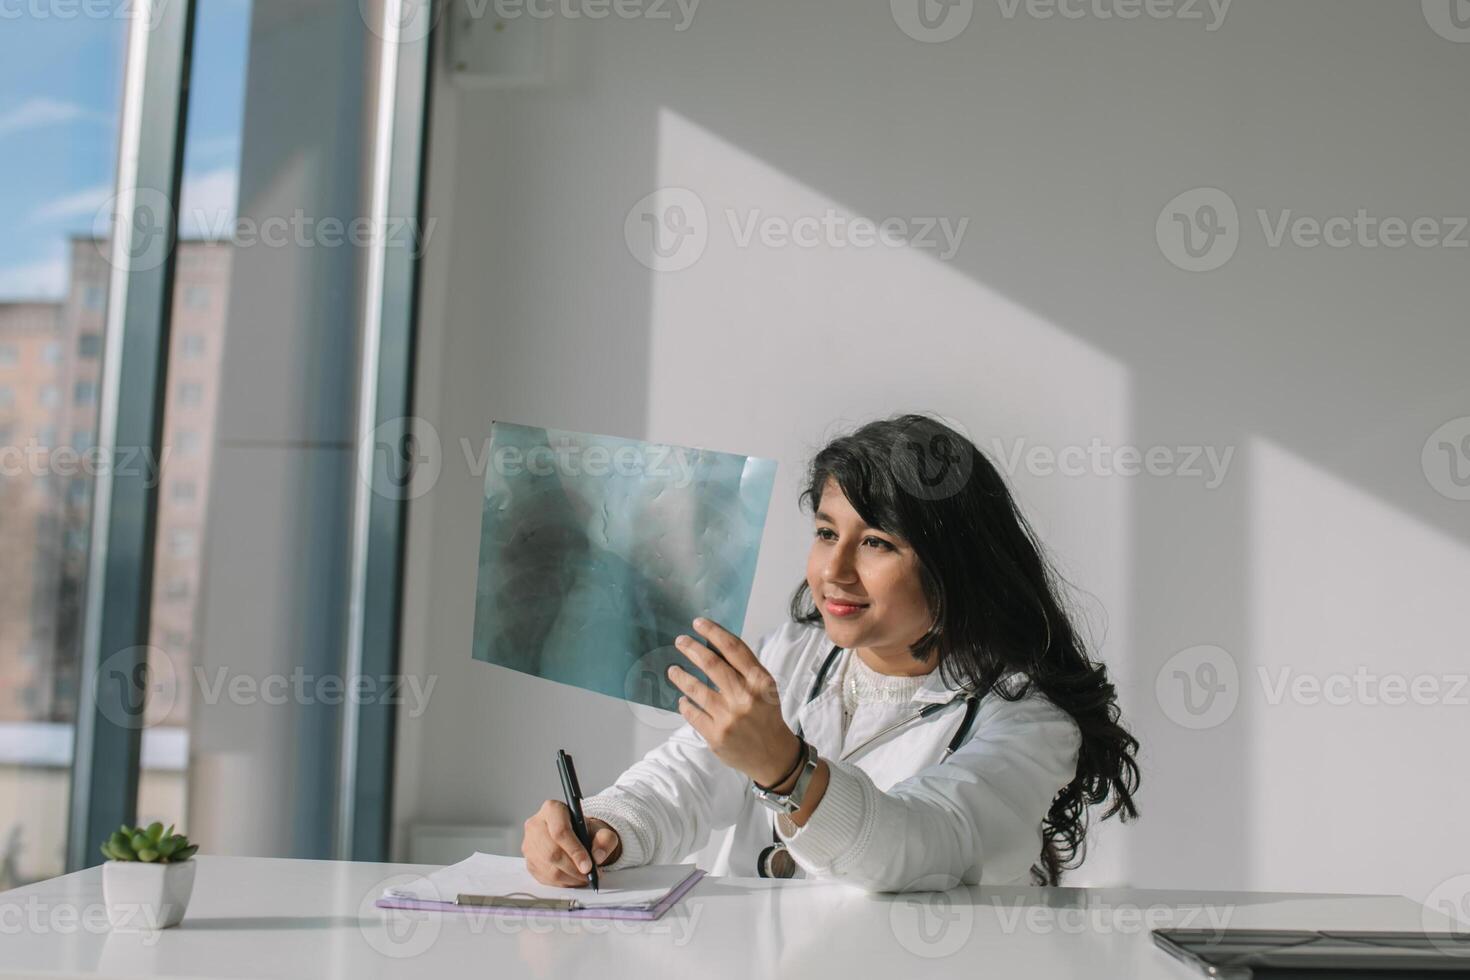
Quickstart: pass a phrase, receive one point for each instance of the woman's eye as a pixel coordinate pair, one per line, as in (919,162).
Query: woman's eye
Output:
(827,534)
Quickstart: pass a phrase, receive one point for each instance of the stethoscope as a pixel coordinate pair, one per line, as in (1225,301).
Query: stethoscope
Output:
(773,861)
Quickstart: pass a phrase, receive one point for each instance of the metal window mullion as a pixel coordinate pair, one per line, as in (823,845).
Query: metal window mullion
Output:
(385,395)
(119,589)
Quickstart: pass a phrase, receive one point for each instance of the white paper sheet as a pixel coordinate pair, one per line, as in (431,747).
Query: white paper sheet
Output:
(494,874)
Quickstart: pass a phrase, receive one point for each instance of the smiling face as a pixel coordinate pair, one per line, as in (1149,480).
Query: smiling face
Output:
(866,585)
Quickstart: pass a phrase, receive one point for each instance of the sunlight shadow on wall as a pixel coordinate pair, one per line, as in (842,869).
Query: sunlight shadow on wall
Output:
(1358,703)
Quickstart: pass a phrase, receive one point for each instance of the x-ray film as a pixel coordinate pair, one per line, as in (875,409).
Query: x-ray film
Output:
(596,551)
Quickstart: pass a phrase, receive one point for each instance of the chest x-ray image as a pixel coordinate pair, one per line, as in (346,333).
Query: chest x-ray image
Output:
(596,551)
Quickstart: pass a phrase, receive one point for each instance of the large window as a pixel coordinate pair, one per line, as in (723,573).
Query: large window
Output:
(150,550)
(60,91)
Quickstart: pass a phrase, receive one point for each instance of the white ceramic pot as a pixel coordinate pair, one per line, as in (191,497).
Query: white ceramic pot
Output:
(143,895)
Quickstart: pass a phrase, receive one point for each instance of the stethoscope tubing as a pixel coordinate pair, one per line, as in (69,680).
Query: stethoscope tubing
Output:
(764,861)
(929,710)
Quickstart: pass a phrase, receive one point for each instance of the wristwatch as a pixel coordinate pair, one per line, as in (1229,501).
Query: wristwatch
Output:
(789,803)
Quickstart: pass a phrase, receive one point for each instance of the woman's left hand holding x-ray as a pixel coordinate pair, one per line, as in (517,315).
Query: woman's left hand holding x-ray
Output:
(741,720)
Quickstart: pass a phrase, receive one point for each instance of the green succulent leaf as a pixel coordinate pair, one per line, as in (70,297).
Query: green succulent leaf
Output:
(152,844)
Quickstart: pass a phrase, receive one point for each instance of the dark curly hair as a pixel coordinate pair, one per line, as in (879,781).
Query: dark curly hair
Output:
(996,600)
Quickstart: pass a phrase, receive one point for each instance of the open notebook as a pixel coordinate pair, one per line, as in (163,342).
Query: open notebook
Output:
(494,883)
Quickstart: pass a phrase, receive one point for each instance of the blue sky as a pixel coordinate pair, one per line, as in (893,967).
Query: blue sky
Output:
(60,92)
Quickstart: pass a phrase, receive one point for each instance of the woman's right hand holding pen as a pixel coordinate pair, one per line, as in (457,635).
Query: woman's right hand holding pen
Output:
(553,854)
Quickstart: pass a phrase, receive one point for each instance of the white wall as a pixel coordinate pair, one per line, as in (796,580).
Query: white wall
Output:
(1058,321)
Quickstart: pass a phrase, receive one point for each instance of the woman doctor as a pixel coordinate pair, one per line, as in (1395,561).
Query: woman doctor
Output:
(928,717)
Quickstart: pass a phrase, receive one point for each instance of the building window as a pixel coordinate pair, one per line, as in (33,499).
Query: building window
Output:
(51,353)
(89,346)
(184,490)
(182,542)
(46,435)
(196,297)
(81,439)
(93,296)
(9,354)
(7,434)
(192,346)
(176,589)
(85,393)
(187,443)
(49,395)
(7,396)
(191,394)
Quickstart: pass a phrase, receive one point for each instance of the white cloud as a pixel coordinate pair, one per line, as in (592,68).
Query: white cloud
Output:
(215,146)
(207,208)
(33,280)
(80,203)
(207,204)
(35,113)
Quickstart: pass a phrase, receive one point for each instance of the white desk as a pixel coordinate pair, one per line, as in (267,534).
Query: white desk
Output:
(261,917)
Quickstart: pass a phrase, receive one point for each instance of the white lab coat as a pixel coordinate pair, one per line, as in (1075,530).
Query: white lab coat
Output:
(893,817)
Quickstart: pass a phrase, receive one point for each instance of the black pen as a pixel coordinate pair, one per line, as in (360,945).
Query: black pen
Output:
(573,793)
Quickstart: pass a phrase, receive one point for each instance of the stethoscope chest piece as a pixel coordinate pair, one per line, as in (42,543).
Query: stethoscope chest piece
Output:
(775,861)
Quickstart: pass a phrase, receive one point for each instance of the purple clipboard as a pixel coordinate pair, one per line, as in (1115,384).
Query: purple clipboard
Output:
(647,915)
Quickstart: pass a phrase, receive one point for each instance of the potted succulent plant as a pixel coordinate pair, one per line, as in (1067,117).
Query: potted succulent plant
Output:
(148,876)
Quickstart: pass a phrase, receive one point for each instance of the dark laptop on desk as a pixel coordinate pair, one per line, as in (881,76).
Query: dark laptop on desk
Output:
(1290,954)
